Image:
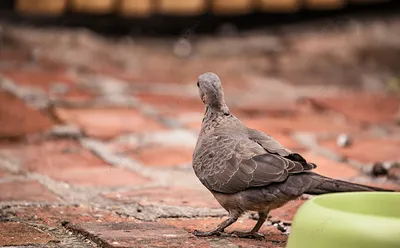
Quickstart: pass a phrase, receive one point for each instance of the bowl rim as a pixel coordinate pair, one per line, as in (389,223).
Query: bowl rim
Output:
(340,211)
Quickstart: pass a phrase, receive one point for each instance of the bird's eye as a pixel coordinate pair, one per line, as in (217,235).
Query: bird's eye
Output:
(198,85)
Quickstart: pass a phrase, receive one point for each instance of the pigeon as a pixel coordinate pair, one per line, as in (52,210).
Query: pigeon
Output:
(248,170)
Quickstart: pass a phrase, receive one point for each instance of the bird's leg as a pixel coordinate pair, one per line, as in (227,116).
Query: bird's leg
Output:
(220,228)
(262,216)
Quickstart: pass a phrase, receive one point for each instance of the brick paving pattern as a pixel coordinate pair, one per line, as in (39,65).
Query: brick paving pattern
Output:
(94,156)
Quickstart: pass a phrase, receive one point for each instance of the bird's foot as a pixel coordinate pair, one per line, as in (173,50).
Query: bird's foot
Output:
(206,234)
(247,235)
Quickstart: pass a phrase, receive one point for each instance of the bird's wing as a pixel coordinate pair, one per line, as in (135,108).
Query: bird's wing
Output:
(230,165)
(274,147)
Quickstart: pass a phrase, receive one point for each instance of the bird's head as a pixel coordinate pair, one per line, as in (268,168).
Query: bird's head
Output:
(211,92)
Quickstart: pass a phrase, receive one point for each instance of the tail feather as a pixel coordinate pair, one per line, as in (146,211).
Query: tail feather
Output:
(324,185)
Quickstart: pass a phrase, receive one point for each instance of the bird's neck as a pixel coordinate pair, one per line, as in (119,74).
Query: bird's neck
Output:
(215,111)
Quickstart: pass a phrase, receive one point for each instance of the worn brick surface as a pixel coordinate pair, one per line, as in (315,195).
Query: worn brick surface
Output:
(107,122)
(172,105)
(14,233)
(164,156)
(36,77)
(66,160)
(167,196)
(272,235)
(99,177)
(17,119)
(303,122)
(25,191)
(331,168)
(42,156)
(146,234)
(4,173)
(364,107)
(261,88)
(57,215)
(367,149)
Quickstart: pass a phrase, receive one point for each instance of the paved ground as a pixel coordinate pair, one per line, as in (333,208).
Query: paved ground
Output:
(97,135)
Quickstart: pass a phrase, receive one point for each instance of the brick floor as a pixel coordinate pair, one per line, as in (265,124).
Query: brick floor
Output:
(43,79)
(370,108)
(54,216)
(4,174)
(164,156)
(14,233)
(108,123)
(330,168)
(25,191)
(270,232)
(172,105)
(126,179)
(367,149)
(137,234)
(18,120)
(173,196)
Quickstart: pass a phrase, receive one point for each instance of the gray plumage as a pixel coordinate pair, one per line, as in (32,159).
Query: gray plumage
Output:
(247,170)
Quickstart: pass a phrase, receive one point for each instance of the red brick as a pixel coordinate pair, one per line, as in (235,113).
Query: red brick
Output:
(67,161)
(108,122)
(330,168)
(25,191)
(13,57)
(76,95)
(164,156)
(243,225)
(146,234)
(173,106)
(364,107)
(287,212)
(99,177)
(256,107)
(4,173)
(17,119)
(173,196)
(43,79)
(56,215)
(54,155)
(367,149)
(303,122)
(15,233)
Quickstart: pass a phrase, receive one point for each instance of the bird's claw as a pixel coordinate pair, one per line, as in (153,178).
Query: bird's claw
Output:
(247,235)
(206,234)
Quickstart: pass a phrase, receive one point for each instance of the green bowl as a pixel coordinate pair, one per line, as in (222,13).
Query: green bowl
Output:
(348,220)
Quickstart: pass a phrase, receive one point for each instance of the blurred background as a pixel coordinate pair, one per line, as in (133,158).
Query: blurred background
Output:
(99,104)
